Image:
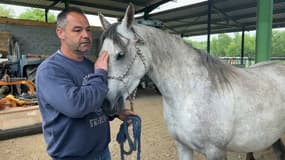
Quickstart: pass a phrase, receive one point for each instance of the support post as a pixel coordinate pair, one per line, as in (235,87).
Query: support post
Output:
(264,30)
(242,47)
(66,3)
(46,15)
(47,9)
(209,25)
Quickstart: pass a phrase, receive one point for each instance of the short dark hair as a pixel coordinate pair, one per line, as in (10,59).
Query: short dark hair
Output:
(61,17)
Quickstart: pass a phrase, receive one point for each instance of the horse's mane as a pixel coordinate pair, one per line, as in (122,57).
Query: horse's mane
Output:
(219,72)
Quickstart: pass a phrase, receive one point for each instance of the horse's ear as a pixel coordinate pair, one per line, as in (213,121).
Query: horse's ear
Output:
(129,16)
(104,21)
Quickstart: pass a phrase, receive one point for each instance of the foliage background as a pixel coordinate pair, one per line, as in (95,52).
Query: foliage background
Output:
(31,14)
(225,45)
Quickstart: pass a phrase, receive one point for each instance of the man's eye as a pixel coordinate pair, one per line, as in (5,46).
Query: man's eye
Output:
(120,55)
(77,29)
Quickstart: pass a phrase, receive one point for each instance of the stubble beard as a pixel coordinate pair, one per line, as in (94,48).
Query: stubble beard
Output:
(81,51)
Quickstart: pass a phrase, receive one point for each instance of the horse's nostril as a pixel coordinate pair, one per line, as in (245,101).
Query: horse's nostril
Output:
(106,106)
(120,103)
(107,103)
(112,109)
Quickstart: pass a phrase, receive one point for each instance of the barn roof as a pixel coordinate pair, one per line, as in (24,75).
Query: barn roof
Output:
(190,20)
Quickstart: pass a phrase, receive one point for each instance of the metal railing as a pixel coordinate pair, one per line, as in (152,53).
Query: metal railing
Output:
(247,61)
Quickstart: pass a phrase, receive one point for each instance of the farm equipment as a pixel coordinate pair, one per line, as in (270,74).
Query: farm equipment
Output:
(17,73)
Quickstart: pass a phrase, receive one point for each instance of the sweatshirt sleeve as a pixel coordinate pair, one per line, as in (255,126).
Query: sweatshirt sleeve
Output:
(59,91)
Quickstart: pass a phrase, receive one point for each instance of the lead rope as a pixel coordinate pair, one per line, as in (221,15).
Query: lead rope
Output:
(123,134)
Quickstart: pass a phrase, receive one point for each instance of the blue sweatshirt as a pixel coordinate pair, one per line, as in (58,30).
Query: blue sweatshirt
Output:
(70,96)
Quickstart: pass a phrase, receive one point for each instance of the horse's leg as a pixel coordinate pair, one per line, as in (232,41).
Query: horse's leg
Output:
(214,153)
(184,152)
(279,149)
(249,156)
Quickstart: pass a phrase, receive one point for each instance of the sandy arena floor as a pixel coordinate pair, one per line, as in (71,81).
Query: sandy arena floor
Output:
(156,142)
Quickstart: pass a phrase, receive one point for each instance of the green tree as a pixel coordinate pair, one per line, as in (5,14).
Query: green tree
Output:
(219,44)
(249,45)
(278,41)
(6,12)
(200,45)
(230,46)
(36,14)
(234,47)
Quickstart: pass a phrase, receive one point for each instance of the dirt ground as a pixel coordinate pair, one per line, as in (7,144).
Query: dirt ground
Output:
(156,142)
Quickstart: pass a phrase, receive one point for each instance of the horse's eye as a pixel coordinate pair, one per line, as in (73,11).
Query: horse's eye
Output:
(120,55)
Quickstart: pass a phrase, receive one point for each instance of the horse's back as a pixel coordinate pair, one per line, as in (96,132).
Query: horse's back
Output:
(278,66)
(272,71)
(261,111)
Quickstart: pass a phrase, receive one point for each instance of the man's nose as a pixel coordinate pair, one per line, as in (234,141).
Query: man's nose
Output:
(86,33)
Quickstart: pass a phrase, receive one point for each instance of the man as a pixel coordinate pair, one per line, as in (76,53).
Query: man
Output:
(71,90)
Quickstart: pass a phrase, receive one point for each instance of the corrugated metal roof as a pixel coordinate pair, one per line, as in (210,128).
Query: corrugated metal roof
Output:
(227,15)
(111,8)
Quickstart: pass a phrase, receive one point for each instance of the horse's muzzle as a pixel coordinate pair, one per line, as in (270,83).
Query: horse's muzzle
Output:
(114,108)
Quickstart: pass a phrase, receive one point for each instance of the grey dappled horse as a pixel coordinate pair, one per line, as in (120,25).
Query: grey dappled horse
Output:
(209,106)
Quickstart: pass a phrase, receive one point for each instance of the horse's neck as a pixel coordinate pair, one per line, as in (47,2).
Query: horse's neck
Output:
(172,60)
(177,66)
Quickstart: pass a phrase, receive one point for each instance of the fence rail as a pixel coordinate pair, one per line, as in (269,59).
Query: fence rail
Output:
(247,61)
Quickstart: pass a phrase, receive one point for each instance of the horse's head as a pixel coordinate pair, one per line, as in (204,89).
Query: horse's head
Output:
(127,64)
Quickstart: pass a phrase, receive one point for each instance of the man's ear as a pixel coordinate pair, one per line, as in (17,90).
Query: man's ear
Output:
(59,32)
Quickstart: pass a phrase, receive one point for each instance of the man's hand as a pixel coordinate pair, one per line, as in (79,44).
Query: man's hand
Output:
(102,61)
(124,113)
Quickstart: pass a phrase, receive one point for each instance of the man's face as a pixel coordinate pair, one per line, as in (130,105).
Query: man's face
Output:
(76,35)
